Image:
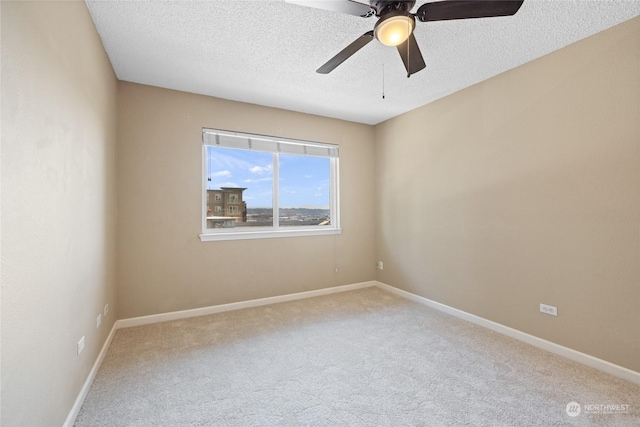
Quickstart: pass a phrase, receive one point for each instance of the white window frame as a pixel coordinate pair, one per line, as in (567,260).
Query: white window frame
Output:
(284,146)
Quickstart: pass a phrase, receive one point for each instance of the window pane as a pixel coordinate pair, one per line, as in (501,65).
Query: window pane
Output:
(239,188)
(304,191)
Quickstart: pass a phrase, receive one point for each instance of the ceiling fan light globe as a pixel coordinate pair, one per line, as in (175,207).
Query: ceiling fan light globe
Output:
(395,29)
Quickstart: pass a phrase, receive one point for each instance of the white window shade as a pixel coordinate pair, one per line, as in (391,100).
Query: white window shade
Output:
(219,138)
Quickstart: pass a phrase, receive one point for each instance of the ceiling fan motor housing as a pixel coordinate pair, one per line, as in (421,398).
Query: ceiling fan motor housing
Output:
(384,7)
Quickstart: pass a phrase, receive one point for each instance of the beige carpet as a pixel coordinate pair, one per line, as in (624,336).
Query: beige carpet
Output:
(356,358)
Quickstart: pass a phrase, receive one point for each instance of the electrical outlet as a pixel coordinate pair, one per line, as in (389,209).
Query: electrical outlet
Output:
(548,309)
(106,310)
(380,265)
(80,345)
(98,320)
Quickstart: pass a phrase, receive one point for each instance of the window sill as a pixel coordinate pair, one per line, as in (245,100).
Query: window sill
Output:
(267,234)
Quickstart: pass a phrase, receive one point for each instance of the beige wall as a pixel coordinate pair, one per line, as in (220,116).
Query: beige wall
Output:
(162,264)
(520,190)
(525,189)
(58,206)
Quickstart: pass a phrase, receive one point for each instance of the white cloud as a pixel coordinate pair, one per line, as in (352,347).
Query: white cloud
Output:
(308,176)
(221,173)
(260,169)
(258,180)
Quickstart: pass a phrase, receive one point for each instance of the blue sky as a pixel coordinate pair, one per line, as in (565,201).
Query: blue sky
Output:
(304,181)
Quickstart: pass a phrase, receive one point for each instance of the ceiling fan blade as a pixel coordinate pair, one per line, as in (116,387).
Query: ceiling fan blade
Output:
(465,9)
(345,53)
(343,6)
(411,56)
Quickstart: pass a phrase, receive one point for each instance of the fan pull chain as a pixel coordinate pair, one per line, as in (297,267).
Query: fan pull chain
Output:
(383,81)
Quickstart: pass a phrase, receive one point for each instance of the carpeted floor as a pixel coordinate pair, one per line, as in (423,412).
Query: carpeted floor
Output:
(356,358)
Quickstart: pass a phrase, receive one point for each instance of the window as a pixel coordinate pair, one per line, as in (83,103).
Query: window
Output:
(267,187)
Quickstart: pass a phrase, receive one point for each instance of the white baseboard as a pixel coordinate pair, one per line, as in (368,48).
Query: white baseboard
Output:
(75,409)
(585,359)
(174,315)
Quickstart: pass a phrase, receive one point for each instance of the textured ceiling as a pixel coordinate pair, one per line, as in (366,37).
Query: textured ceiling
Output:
(266,52)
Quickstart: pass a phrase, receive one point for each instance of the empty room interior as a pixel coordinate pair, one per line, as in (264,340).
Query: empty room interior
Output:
(473,257)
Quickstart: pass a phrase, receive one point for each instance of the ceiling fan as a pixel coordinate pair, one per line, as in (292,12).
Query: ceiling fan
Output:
(396,23)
